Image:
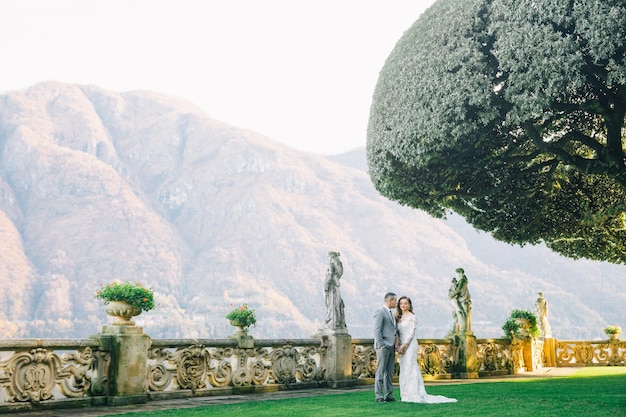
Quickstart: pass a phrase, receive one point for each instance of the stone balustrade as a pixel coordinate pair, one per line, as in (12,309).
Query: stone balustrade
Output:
(179,368)
(123,365)
(435,357)
(68,373)
(591,353)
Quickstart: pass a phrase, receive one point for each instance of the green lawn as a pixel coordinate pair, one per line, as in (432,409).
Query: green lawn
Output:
(590,392)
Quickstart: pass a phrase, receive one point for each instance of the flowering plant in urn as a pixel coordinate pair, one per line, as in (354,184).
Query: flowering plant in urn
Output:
(242,316)
(612,330)
(133,293)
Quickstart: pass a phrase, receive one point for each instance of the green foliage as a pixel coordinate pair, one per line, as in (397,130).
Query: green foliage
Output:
(133,293)
(511,328)
(609,330)
(242,316)
(510,113)
(511,325)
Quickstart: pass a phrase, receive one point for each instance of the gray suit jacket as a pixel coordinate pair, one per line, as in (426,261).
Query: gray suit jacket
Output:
(384,328)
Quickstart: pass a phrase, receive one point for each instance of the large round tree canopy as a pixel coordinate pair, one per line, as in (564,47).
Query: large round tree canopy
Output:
(511,114)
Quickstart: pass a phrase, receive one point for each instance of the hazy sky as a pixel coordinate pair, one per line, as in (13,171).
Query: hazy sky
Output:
(298,71)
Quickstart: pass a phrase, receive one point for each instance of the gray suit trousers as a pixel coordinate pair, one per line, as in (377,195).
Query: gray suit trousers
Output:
(386,357)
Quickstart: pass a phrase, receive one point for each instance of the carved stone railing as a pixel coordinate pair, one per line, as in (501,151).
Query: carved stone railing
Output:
(36,374)
(32,372)
(590,353)
(179,368)
(539,358)
(363,358)
(497,356)
(435,358)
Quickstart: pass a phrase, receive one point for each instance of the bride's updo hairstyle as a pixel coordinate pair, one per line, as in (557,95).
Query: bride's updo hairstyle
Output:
(399,312)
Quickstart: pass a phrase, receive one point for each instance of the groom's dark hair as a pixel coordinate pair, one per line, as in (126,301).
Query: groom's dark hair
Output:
(389,295)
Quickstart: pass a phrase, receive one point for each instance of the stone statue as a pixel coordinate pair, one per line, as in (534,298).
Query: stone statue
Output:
(335,318)
(542,313)
(461,302)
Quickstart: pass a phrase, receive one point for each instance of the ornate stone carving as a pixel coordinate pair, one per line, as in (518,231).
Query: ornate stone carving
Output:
(198,367)
(306,368)
(284,365)
(516,361)
(159,376)
(188,368)
(434,359)
(192,367)
(75,380)
(33,376)
(569,353)
(363,361)
(100,373)
(221,371)
(258,371)
(492,356)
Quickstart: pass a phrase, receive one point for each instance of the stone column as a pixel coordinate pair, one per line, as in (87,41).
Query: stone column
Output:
(464,356)
(530,363)
(549,351)
(337,361)
(129,358)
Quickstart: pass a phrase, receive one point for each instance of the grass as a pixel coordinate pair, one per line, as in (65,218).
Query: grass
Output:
(590,392)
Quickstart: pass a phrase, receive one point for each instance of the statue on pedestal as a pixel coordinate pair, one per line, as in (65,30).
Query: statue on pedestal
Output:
(461,303)
(335,318)
(542,314)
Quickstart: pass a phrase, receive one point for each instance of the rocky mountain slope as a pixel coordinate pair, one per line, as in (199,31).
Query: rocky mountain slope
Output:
(97,185)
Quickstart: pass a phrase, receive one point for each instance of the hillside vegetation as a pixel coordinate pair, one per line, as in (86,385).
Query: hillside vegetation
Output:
(97,185)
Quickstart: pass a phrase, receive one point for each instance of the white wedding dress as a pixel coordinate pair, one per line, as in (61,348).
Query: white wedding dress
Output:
(412,387)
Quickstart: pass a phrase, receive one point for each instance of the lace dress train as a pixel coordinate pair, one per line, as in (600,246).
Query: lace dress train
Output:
(412,387)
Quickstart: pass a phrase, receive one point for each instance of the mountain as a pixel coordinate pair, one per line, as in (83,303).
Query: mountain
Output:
(97,185)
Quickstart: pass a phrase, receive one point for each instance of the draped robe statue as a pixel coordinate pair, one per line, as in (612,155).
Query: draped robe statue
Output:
(542,314)
(461,302)
(335,318)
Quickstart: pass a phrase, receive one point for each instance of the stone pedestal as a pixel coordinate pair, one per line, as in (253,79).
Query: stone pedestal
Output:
(465,356)
(530,359)
(549,351)
(129,356)
(337,362)
(243,340)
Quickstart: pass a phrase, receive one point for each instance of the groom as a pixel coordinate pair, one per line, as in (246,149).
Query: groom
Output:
(384,342)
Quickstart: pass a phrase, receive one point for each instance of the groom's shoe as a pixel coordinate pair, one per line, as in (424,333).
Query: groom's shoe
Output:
(380,400)
(389,399)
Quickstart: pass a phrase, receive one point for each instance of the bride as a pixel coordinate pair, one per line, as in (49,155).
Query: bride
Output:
(412,387)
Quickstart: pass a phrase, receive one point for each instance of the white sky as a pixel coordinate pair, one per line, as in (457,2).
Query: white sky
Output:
(301,72)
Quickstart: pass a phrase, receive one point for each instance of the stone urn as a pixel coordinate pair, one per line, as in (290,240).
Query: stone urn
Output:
(123,312)
(613,337)
(524,326)
(239,330)
(241,336)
